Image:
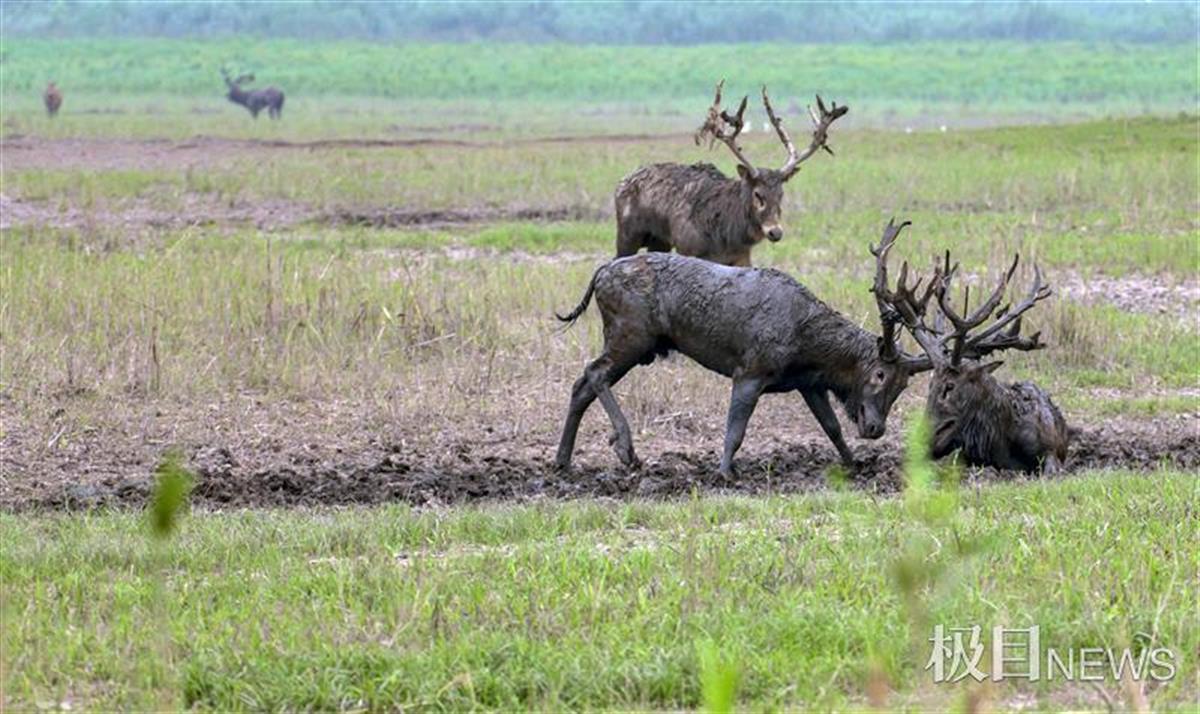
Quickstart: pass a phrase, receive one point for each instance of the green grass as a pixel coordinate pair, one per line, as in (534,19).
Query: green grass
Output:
(1115,196)
(968,73)
(204,309)
(172,88)
(324,312)
(577,605)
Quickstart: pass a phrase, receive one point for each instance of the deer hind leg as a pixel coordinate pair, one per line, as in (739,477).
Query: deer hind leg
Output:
(601,375)
(595,383)
(582,397)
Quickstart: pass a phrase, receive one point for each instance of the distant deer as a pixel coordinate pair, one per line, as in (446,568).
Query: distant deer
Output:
(52,98)
(699,211)
(760,328)
(255,100)
(1009,426)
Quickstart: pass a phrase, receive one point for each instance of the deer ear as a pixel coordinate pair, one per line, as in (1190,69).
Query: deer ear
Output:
(744,173)
(991,366)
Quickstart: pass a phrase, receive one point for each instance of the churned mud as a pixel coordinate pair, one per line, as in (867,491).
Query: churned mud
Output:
(276,455)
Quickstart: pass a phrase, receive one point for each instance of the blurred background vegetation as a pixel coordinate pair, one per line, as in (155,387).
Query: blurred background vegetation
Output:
(641,23)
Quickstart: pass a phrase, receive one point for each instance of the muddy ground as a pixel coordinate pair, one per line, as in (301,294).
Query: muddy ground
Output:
(248,453)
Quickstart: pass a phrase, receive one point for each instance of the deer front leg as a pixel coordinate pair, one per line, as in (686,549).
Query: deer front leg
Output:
(741,405)
(818,404)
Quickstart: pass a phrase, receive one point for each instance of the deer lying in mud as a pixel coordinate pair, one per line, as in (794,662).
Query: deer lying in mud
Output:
(760,328)
(699,211)
(255,100)
(52,98)
(1006,425)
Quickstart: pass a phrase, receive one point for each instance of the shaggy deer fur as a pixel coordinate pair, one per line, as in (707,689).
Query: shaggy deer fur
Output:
(699,211)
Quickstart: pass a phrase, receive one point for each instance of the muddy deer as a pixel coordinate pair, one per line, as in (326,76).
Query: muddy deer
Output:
(255,100)
(759,327)
(701,212)
(1007,425)
(52,98)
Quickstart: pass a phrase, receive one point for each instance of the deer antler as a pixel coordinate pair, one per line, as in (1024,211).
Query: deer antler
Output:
(903,305)
(994,338)
(718,126)
(820,134)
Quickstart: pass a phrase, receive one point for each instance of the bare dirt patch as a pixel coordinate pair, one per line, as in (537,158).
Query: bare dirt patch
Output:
(402,218)
(204,210)
(139,214)
(23,152)
(1149,294)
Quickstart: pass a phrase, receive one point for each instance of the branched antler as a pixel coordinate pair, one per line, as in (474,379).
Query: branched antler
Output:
(995,337)
(724,127)
(905,305)
(820,136)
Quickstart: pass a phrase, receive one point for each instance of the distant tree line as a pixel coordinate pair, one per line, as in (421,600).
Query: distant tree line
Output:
(629,22)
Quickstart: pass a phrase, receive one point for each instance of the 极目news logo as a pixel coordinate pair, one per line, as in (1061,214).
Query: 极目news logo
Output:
(1017,653)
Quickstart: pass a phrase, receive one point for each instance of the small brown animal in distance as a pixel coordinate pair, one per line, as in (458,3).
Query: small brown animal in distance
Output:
(52,98)
(699,211)
(1007,425)
(759,327)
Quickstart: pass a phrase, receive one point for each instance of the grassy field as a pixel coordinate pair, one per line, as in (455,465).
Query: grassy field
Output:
(597,605)
(290,308)
(173,88)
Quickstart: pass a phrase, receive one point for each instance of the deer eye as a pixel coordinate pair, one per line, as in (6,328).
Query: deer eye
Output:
(879,375)
(759,200)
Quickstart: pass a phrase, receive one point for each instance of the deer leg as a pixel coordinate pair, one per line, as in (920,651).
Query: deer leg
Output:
(601,377)
(818,404)
(741,406)
(583,394)
(582,397)
(627,240)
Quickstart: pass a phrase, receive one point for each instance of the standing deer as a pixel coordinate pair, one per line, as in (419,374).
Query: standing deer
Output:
(759,327)
(1009,426)
(255,100)
(699,211)
(52,98)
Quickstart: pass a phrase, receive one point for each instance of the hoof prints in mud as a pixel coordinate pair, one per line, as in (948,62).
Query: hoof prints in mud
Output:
(420,479)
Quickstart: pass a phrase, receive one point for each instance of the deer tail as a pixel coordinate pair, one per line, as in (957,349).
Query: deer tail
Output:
(573,315)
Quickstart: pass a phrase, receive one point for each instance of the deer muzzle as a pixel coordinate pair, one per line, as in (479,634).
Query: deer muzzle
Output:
(870,423)
(774,233)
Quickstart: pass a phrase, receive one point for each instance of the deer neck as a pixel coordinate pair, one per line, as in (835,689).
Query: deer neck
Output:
(989,423)
(846,354)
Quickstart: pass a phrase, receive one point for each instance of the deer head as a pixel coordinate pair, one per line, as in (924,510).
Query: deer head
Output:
(235,85)
(764,187)
(886,375)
